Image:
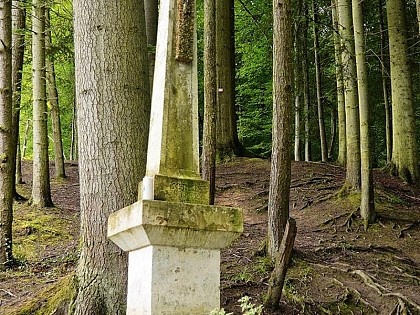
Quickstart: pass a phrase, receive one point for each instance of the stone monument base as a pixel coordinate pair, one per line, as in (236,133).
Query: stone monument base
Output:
(165,280)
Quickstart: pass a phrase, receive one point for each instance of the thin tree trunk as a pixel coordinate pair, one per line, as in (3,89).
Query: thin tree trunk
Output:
(41,193)
(6,171)
(333,133)
(25,138)
(53,100)
(279,191)
(18,49)
(151,15)
(113,120)
(385,85)
(297,89)
(210,96)
(353,163)
(321,122)
(404,149)
(306,92)
(367,206)
(341,106)
(18,177)
(73,141)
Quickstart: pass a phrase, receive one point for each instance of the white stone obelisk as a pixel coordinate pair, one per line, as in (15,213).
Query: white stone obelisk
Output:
(172,234)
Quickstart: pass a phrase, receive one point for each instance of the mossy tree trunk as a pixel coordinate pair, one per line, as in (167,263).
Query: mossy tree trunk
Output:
(18,49)
(113,100)
(404,148)
(341,105)
(41,192)
(320,106)
(367,207)
(353,163)
(279,191)
(6,171)
(210,97)
(53,100)
(227,143)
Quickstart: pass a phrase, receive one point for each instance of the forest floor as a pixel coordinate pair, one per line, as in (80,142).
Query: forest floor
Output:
(337,267)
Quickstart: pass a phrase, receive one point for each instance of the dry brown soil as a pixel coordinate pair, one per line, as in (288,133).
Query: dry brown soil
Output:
(337,266)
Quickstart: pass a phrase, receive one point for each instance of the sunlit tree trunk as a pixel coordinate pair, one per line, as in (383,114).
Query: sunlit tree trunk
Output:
(321,122)
(113,121)
(341,106)
(279,191)
(297,89)
(53,101)
(385,85)
(367,207)
(350,95)
(6,171)
(210,96)
(41,193)
(18,49)
(404,148)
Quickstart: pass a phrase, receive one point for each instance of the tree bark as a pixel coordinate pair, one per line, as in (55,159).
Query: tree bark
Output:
(41,193)
(227,143)
(306,92)
(279,191)
(18,49)
(385,85)
(341,106)
(113,109)
(350,95)
(210,97)
(151,15)
(53,100)
(298,84)
(6,161)
(278,275)
(321,122)
(404,148)
(367,206)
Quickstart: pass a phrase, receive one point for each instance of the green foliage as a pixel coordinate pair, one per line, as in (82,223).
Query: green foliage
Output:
(247,308)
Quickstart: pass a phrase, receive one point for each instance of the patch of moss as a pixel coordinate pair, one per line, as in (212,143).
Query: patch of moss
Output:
(57,296)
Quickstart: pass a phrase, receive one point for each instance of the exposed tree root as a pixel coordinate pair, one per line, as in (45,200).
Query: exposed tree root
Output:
(381,290)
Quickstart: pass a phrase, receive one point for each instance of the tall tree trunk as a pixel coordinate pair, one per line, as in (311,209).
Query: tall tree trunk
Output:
(53,100)
(151,9)
(73,141)
(350,95)
(404,148)
(298,83)
(227,143)
(113,100)
(279,191)
(18,49)
(41,193)
(385,85)
(333,133)
(321,122)
(210,97)
(367,207)
(6,161)
(306,92)
(341,106)
(418,12)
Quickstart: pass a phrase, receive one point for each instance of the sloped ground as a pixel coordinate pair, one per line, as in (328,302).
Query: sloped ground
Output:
(337,267)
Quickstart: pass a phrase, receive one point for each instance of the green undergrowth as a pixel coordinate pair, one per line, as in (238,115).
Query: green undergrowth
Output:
(57,298)
(37,229)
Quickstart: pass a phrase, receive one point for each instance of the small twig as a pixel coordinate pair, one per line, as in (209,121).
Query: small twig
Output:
(9,293)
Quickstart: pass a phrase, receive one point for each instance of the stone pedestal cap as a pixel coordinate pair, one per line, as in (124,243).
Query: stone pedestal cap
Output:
(182,225)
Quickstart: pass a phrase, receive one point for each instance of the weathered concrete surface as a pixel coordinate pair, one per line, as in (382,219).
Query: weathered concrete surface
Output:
(182,225)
